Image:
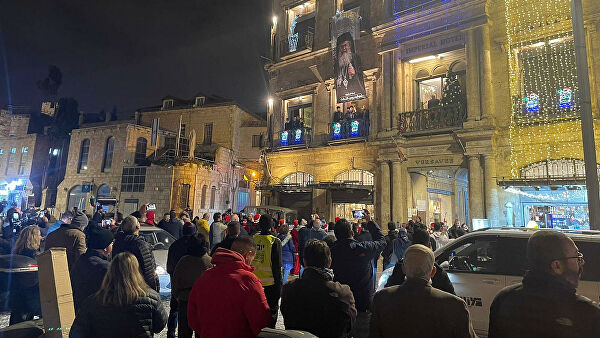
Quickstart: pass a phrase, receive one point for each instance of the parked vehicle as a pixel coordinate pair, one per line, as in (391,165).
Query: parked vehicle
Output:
(160,241)
(482,263)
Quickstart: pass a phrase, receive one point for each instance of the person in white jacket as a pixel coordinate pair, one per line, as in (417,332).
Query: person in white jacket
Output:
(440,235)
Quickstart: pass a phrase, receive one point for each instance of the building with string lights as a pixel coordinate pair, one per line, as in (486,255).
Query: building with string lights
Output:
(460,109)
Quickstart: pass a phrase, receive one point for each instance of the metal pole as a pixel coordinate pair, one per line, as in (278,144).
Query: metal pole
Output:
(587,122)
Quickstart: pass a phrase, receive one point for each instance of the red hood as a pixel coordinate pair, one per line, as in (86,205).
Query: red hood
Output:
(224,257)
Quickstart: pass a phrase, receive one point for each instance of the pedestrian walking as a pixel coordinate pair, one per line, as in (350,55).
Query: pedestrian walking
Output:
(228,300)
(403,310)
(125,306)
(217,230)
(546,303)
(314,302)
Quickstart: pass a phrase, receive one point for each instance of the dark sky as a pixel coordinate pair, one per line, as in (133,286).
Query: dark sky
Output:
(131,53)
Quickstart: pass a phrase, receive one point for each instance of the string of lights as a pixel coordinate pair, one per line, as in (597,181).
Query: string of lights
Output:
(543,83)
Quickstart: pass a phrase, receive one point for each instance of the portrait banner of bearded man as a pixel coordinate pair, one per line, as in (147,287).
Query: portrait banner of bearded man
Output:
(349,83)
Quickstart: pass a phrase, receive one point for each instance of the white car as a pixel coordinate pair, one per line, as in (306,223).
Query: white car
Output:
(482,263)
(160,241)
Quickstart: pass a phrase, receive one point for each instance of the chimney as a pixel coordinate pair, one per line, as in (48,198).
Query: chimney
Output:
(81,117)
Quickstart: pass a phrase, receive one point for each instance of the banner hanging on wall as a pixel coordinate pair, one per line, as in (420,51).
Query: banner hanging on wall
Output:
(347,68)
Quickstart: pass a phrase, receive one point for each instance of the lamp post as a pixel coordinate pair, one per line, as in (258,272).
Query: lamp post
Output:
(587,121)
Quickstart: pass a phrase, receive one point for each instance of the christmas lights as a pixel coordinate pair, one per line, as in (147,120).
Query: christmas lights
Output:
(543,83)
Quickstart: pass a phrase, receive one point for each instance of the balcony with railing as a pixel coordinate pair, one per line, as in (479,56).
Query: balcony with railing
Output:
(297,137)
(436,120)
(348,130)
(297,42)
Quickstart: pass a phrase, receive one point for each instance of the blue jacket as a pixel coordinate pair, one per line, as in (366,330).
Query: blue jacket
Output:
(54,226)
(352,264)
(306,234)
(287,249)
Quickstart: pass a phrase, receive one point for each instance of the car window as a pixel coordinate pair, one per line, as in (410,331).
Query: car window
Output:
(513,256)
(591,255)
(476,255)
(165,238)
(148,237)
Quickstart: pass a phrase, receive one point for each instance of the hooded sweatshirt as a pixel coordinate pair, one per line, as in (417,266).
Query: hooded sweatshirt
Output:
(228,300)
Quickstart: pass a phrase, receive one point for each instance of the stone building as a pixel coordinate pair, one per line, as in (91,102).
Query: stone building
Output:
(443,136)
(23,158)
(174,170)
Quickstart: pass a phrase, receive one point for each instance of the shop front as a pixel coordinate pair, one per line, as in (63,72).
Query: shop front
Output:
(16,191)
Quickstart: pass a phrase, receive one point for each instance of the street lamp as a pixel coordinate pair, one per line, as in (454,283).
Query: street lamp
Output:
(587,121)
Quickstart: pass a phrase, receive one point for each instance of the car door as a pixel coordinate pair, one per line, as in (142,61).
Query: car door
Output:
(473,271)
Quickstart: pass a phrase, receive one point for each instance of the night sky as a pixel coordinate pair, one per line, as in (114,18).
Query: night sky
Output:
(131,53)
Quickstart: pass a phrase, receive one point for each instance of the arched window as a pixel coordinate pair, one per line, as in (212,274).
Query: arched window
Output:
(103,191)
(108,154)
(203,197)
(140,150)
(213,197)
(83,155)
(298,178)
(77,198)
(355,176)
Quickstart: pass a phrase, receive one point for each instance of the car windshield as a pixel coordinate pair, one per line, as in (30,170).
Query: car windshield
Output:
(165,238)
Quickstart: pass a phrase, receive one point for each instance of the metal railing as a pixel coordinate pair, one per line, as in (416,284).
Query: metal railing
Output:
(432,120)
(348,129)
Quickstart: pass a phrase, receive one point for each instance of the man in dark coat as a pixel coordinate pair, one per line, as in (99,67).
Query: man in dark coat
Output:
(401,310)
(546,304)
(389,244)
(89,271)
(189,268)
(128,239)
(456,230)
(440,279)
(352,264)
(173,226)
(311,231)
(233,231)
(70,237)
(314,302)
(177,250)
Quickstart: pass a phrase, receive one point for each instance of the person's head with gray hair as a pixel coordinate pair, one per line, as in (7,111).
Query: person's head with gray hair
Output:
(418,262)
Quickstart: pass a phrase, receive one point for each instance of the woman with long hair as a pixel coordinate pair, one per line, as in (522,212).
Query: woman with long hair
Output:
(28,243)
(125,306)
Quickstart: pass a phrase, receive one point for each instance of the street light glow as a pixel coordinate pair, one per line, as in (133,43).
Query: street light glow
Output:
(274,20)
(270,101)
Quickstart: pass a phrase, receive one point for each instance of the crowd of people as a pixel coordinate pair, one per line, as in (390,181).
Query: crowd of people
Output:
(230,276)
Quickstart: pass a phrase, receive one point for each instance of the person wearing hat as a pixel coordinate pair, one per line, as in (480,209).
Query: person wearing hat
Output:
(89,270)
(71,237)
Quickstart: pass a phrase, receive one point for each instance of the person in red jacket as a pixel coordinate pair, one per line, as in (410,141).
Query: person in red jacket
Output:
(294,233)
(228,300)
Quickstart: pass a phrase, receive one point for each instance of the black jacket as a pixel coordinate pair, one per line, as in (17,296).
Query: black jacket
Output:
(543,306)
(455,231)
(316,304)
(225,244)
(439,281)
(173,226)
(142,251)
(87,275)
(180,248)
(141,319)
(389,247)
(352,264)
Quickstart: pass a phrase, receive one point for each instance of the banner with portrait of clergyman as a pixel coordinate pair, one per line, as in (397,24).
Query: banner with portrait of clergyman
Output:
(347,68)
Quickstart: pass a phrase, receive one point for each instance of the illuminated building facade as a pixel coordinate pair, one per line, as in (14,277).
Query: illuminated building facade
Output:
(462,110)
(194,160)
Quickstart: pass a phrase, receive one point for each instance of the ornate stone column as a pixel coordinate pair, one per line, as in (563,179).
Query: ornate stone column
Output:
(475,189)
(487,95)
(473,103)
(383,195)
(399,198)
(491,194)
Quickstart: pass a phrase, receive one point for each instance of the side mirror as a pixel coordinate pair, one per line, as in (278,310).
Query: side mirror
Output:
(445,265)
